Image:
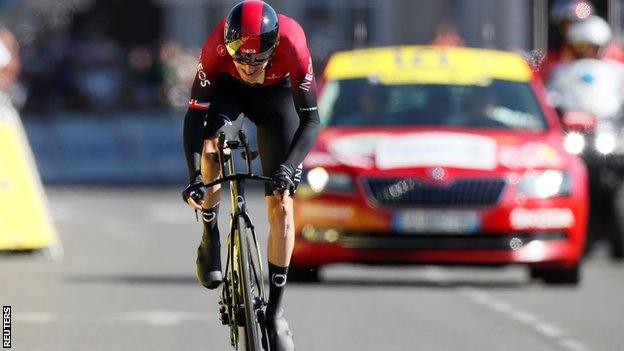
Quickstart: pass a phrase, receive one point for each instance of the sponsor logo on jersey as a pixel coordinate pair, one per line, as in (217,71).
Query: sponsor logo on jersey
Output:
(309,77)
(221,50)
(249,51)
(193,103)
(203,79)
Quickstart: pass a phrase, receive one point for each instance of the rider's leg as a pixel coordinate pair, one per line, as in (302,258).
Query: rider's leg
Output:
(280,246)
(223,115)
(277,121)
(281,242)
(209,250)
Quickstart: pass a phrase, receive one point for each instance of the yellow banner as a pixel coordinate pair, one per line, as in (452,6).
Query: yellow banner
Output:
(428,65)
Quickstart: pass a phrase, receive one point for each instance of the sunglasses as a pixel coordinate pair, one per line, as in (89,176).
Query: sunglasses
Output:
(251,59)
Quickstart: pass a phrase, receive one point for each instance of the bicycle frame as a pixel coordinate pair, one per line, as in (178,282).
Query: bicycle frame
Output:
(231,293)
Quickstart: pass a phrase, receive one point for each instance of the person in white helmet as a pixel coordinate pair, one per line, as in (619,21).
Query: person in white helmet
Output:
(591,84)
(588,81)
(588,38)
(563,15)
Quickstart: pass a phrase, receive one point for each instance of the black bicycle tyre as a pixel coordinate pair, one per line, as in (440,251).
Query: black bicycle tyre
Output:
(252,326)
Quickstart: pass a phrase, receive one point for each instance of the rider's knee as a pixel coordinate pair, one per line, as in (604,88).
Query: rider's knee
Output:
(211,151)
(280,212)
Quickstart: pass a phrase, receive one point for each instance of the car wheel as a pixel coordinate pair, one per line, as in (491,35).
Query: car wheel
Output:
(558,276)
(616,234)
(304,274)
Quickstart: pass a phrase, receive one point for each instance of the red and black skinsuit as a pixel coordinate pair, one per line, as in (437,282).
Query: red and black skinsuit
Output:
(283,107)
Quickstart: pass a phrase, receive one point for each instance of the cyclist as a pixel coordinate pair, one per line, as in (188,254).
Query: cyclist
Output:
(255,64)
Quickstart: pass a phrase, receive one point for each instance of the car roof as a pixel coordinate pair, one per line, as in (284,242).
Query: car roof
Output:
(428,65)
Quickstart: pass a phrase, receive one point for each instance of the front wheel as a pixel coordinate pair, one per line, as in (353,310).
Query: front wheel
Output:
(251,289)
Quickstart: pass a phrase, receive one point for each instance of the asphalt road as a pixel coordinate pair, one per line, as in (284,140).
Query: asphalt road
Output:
(127,282)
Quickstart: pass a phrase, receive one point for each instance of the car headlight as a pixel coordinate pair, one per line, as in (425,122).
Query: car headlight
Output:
(545,184)
(605,143)
(574,143)
(320,180)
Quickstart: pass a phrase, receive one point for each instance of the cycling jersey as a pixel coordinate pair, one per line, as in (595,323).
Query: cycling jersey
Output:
(290,67)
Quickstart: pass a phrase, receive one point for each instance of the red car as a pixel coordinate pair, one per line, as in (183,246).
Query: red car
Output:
(437,155)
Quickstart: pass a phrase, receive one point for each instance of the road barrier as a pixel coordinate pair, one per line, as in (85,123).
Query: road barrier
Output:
(25,222)
(124,148)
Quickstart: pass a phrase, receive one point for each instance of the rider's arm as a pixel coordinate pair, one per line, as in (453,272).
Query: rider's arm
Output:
(304,96)
(202,93)
(193,139)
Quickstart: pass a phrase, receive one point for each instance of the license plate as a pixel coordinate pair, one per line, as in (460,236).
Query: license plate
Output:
(436,222)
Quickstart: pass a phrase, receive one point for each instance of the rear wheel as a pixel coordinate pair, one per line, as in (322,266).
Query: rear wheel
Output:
(558,276)
(251,287)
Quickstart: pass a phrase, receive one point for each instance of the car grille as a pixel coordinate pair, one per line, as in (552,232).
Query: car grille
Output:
(398,192)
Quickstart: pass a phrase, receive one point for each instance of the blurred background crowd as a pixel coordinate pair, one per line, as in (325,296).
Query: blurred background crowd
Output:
(110,55)
(103,83)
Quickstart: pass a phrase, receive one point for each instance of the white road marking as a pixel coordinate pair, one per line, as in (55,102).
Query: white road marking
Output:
(149,317)
(64,212)
(169,214)
(572,345)
(523,317)
(548,330)
(163,317)
(34,317)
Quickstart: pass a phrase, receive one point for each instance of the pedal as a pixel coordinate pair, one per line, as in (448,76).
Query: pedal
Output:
(252,154)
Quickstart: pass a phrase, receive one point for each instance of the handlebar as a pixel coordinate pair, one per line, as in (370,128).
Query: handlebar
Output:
(248,155)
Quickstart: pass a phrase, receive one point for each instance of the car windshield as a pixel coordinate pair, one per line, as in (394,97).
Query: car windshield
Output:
(493,103)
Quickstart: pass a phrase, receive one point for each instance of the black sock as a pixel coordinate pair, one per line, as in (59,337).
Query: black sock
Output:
(210,236)
(210,218)
(277,282)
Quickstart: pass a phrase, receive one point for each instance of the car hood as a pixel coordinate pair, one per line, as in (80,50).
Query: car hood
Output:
(416,147)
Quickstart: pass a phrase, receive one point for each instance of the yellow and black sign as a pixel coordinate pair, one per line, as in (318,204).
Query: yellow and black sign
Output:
(25,222)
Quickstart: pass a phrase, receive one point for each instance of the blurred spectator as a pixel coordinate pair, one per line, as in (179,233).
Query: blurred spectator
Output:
(446,35)
(179,69)
(563,14)
(588,82)
(12,92)
(9,60)
(97,67)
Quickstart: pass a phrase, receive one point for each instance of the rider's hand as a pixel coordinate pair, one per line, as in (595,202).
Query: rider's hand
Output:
(283,181)
(194,193)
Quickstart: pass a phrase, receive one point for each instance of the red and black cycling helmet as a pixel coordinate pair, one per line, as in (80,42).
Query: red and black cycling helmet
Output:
(251,32)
